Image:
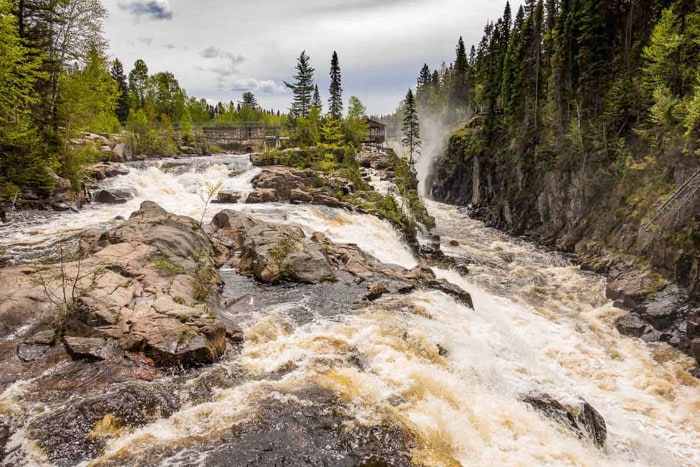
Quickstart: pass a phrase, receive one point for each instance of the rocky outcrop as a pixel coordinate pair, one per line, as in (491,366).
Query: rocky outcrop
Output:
(227,196)
(274,252)
(579,416)
(299,186)
(149,285)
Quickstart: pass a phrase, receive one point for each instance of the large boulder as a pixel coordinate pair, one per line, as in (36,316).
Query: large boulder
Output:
(112,196)
(633,325)
(578,416)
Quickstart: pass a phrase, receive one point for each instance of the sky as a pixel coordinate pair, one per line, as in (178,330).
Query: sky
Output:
(218,49)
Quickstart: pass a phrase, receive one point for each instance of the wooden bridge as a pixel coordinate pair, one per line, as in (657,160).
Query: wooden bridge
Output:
(674,212)
(247,136)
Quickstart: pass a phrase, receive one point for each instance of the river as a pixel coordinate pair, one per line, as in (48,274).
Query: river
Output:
(539,323)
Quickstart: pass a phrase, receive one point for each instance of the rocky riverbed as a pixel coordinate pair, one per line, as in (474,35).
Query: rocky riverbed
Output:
(280,332)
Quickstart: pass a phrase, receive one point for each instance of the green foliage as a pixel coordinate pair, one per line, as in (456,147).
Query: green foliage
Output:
(278,254)
(306,128)
(204,276)
(19,143)
(89,98)
(691,123)
(356,127)
(72,162)
(165,266)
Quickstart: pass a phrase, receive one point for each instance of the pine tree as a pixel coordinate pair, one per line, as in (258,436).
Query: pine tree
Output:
(460,76)
(411,128)
(316,101)
(335,102)
(117,72)
(423,89)
(302,88)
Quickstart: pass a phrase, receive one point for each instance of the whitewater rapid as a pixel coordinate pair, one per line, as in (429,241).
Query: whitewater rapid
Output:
(539,323)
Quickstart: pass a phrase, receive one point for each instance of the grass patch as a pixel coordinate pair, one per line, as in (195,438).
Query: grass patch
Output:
(165,266)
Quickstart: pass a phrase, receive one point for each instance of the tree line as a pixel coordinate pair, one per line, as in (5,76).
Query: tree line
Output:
(578,82)
(57,82)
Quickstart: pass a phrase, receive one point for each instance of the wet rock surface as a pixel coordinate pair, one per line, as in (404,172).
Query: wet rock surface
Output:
(312,427)
(312,431)
(273,253)
(112,196)
(579,417)
(78,432)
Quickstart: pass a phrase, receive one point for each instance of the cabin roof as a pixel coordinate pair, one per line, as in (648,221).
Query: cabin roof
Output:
(374,123)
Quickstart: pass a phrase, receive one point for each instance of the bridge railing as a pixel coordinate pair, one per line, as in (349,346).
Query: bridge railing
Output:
(674,212)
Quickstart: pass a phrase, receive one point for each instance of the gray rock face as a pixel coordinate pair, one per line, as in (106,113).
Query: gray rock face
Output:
(580,417)
(632,325)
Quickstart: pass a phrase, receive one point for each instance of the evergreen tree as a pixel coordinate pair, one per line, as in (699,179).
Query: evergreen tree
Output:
(423,90)
(335,101)
(411,128)
(249,100)
(302,88)
(316,101)
(117,72)
(460,76)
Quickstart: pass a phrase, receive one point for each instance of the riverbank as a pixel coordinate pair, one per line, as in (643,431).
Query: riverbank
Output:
(596,218)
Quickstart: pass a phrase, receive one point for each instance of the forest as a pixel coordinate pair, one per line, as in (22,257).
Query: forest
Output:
(577,120)
(57,82)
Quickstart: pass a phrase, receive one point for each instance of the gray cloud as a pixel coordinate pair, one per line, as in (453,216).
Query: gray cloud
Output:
(145,40)
(152,9)
(170,46)
(215,52)
(225,47)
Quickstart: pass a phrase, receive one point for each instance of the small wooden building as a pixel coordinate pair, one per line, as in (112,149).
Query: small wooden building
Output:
(377,133)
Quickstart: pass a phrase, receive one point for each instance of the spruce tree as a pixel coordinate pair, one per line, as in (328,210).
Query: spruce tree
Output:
(117,72)
(459,78)
(316,101)
(302,88)
(411,128)
(335,102)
